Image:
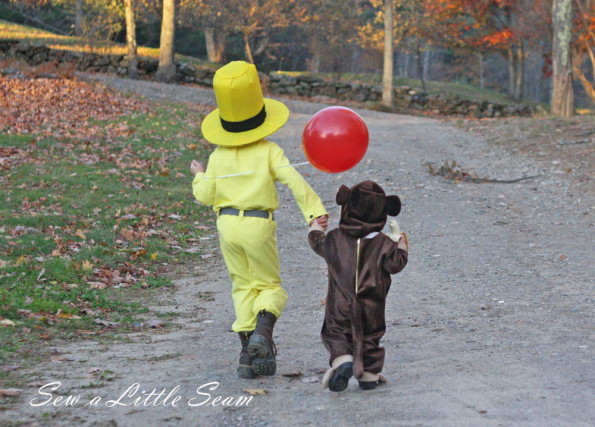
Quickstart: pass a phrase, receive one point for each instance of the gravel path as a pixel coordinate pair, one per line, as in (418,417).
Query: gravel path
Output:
(490,323)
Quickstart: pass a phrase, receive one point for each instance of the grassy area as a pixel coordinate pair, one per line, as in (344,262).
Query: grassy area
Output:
(92,219)
(11,30)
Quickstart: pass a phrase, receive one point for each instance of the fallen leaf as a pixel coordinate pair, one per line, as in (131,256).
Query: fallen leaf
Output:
(255,391)
(86,265)
(10,391)
(87,311)
(157,324)
(67,316)
(6,322)
(106,323)
(309,380)
(93,370)
(62,359)
(97,285)
(35,384)
(140,252)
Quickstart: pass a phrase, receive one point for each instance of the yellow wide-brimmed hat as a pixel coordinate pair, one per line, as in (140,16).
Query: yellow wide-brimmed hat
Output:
(243,116)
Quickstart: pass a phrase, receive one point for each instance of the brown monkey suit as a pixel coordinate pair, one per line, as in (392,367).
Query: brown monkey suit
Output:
(354,318)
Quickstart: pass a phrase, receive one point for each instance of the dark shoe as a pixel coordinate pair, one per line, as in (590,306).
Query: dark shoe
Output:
(368,385)
(261,346)
(245,367)
(340,378)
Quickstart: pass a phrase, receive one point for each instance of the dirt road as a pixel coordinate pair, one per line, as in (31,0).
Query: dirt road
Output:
(490,323)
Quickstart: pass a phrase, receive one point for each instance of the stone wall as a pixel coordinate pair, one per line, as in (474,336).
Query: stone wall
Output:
(406,98)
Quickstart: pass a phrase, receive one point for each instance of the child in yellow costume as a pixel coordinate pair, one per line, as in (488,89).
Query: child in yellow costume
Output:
(239,182)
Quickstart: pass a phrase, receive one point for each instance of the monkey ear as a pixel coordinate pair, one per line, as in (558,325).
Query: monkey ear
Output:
(343,195)
(393,205)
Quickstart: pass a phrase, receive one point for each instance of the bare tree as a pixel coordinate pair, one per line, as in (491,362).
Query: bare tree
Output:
(131,39)
(563,92)
(387,74)
(166,71)
(78,18)
(215,40)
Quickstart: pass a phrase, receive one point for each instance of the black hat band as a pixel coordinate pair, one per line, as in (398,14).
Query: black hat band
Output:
(244,125)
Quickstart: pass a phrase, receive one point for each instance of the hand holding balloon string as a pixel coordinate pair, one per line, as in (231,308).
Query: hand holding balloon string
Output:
(196,167)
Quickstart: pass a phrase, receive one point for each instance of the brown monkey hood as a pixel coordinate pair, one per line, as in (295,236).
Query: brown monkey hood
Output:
(364,208)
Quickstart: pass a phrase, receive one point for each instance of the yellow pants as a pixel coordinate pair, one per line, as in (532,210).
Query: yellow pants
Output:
(249,247)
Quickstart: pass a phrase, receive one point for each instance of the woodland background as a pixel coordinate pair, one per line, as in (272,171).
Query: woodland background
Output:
(504,45)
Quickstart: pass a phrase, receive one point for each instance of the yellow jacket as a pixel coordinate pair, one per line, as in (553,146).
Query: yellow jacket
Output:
(255,190)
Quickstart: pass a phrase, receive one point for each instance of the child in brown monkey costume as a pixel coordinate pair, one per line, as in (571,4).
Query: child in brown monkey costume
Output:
(360,260)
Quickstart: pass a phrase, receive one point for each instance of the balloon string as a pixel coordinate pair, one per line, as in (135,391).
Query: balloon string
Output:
(246,173)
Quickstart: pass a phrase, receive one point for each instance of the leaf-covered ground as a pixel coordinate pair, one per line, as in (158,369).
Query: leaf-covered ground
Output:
(95,206)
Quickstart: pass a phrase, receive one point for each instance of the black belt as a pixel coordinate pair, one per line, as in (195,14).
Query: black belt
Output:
(252,212)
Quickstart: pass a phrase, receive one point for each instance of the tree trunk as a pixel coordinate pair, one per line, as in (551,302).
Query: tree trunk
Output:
(262,45)
(166,72)
(405,69)
(247,48)
(313,64)
(587,85)
(131,39)
(420,71)
(481,70)
(562,93)
(215,41)
(78,18)
(511,71)
(387,69)
(520,74)
(427,58)
(578,71)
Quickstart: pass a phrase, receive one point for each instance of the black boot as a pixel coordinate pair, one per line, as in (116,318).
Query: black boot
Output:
(368,385)
(245,367)
(261,346)
(340,378)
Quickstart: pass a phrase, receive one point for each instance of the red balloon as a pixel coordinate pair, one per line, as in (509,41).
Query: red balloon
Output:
(335,139)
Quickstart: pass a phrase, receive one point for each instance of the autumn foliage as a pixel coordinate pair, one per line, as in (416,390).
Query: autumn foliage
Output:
(94,195)
(59,107)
